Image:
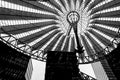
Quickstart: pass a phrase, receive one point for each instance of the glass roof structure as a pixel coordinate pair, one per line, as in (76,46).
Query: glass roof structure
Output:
(35,27)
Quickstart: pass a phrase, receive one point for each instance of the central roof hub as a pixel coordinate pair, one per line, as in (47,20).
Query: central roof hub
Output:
(73,17)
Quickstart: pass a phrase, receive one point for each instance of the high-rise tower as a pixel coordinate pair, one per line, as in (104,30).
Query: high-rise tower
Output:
(14,65)
(61,66)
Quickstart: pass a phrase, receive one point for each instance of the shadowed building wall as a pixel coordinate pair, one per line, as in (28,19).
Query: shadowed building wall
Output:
(14,65)
(61,66)
(114,62)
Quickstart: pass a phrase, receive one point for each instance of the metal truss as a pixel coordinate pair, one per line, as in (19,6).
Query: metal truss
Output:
(41,55)
(23,48)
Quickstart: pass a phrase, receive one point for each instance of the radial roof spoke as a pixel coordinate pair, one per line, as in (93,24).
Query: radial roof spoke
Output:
(66,5)
(63,3)
(102,37)
(72,5)
(112,32)
(88,48)
(24,15)
(59,46)
(66,46)
(107,22)
(55,4)
(15,17)
(107,14)
(18,25)
(44,6)
(23,22)
(21,7)
(88,5)
(87,2)
(62,7)
(33,37)
(90,44)
(94,4)
(58,42)
(47,42)
(75,2)
(110,6)
(43,40)
(69,3)
(11,3)
(78,4)
(102,46)
(109,19)
(20,18)
(63,45)
(109,10)
(100,6)
(42,31)
(97,47)
(54,41)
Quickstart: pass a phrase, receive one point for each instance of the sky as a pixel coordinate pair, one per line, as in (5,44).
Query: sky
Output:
(39,70)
